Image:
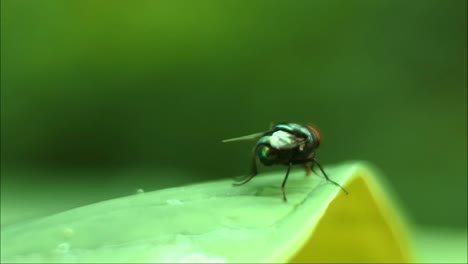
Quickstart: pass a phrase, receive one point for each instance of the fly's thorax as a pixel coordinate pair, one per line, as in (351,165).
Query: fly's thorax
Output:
(293,128)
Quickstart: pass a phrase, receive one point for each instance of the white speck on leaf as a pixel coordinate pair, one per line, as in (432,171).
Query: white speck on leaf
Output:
(173,201)
(62,248)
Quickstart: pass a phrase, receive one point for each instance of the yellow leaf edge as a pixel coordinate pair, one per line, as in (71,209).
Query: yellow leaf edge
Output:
(364,179)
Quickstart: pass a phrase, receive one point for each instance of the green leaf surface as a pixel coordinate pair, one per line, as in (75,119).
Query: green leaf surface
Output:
(217,222)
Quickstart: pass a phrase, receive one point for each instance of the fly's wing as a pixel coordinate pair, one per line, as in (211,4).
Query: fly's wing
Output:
(243,138)
(284,140)
(249,137)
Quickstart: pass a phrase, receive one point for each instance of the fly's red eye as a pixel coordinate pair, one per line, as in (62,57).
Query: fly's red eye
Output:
(315,132)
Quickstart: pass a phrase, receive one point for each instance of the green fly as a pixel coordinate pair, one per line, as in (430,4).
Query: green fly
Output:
(285,144)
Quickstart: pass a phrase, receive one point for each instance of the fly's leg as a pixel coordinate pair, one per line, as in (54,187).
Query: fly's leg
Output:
(307,168)
(284,182)
(253,172)
(315,162)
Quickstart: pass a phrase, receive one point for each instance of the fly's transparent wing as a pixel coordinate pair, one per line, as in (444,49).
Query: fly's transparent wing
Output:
(243,138)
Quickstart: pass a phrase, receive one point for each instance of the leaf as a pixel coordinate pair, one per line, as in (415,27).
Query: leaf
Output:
(218,222)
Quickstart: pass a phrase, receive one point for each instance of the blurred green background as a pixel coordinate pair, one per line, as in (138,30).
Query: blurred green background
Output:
(100,98)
